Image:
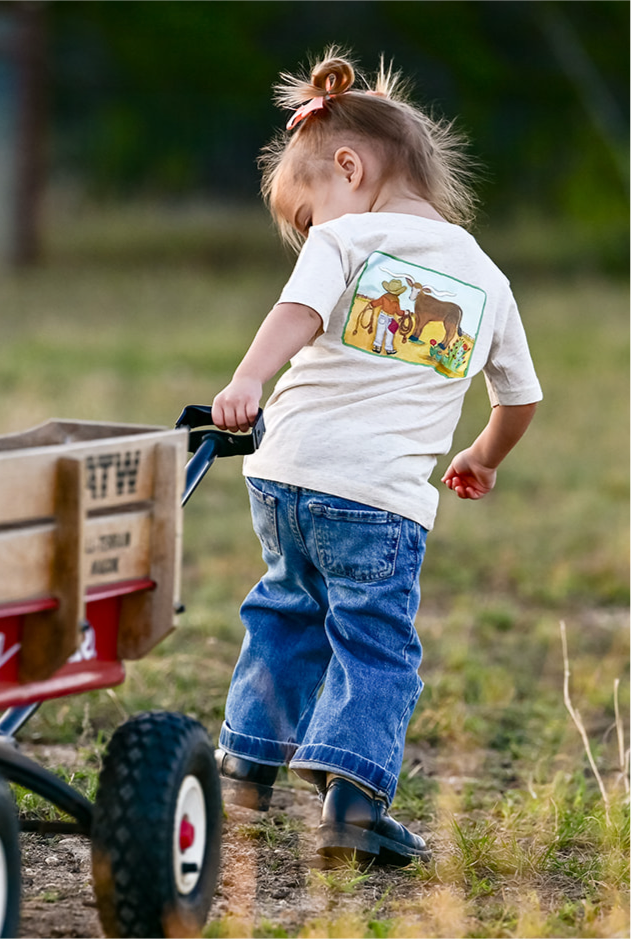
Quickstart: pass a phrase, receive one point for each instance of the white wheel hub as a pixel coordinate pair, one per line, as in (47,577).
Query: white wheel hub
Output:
(189,834)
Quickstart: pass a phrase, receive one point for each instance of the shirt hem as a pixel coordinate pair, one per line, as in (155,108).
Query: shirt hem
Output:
(530,395)
(425,514)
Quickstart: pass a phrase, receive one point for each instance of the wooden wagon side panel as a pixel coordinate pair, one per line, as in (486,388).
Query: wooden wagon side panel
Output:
(81,510)
(117,472)
(146,618)
(117,546)
(49,638)
(26,562)
(112,547)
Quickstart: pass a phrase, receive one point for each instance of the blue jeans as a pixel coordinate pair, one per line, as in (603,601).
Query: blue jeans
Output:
(327,677)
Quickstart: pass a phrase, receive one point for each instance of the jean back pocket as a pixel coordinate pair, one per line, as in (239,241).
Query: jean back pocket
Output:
(360,544)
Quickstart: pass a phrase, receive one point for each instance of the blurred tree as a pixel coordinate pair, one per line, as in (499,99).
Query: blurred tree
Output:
(174,96)
(22,129)
(169,95)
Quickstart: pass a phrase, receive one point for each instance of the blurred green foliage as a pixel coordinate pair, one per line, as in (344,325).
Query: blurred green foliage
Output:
(175,96)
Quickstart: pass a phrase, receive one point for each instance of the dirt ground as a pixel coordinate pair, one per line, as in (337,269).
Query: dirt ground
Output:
(269,871)
(256,879)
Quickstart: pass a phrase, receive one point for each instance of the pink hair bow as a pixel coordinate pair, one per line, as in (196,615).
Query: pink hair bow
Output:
(315,104)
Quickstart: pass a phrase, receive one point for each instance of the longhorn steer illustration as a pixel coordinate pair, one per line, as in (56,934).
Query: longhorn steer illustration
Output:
(429,308)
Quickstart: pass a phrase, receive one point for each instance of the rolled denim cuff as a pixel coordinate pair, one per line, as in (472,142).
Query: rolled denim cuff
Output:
(314,756)
(271,752)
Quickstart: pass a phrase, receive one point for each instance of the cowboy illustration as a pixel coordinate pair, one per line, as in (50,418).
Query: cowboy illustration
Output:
(390,314)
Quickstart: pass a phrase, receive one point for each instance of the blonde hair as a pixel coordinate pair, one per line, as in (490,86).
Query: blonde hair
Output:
(427,152)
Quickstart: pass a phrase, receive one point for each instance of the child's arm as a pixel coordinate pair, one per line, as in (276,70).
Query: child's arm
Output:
(472,472)
(284,331)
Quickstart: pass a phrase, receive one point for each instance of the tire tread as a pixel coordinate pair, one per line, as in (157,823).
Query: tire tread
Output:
(132,844)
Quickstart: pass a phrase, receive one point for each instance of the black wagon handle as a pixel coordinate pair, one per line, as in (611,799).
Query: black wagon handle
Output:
(207,444)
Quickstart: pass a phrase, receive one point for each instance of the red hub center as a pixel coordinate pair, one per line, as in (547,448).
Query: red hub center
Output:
(187,834)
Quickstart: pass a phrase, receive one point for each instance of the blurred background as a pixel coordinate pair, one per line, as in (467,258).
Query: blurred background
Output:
(171,101)
(138,262)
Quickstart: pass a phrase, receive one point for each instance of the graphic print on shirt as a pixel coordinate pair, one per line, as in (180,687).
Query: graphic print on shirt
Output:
(414,314)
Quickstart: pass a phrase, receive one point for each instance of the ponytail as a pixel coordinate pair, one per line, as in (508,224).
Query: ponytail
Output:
(335,104)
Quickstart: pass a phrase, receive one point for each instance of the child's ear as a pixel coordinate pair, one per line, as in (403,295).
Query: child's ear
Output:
(349,164)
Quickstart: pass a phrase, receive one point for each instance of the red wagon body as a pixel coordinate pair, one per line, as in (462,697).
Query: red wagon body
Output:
(90,551)
(94,665)
(90,522)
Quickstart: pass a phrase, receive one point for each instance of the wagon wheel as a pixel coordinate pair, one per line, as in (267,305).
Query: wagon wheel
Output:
(9,864)
(157,828)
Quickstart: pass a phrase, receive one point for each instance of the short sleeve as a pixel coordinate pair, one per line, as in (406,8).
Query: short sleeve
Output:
(319,277)
(509,371)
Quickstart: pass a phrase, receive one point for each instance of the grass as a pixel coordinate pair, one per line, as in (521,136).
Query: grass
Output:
(138,312)
(82,773)
(344,878)
(272,831)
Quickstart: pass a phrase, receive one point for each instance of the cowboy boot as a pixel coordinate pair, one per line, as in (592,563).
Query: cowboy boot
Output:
(356,824)
(244,782)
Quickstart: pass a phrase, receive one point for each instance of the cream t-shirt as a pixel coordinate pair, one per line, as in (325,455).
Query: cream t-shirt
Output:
(411,310)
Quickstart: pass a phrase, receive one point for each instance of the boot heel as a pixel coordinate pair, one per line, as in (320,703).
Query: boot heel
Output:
(248,795)
(346,841)
(245,782)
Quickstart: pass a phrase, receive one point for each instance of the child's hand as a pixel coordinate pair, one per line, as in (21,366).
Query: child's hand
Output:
(235,408)
(472,472)
(469,478)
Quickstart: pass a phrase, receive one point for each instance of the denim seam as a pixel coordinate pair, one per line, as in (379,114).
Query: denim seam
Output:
(237,733)
(242,756)
(271,503)
(313,694)
(333,763)
(287,745)
(414,697)
(408,597)
(397,545)
(409,592)
(405,717)
(294,524)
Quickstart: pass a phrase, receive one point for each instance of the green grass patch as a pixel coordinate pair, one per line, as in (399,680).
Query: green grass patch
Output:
(136,314)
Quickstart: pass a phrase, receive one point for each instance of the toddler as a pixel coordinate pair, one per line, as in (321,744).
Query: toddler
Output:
(390,311)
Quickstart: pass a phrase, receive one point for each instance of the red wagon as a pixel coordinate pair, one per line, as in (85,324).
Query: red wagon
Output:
(90,550)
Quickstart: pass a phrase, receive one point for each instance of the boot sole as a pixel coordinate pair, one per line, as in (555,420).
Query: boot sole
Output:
(248,795)
(344,842)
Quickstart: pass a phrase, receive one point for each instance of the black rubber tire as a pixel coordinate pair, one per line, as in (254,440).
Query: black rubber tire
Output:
(9,864)
(147,762)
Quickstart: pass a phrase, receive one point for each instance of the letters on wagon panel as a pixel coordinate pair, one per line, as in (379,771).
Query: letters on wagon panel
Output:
(112,470)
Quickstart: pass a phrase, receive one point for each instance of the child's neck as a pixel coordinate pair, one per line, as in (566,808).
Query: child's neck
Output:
(401,201)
